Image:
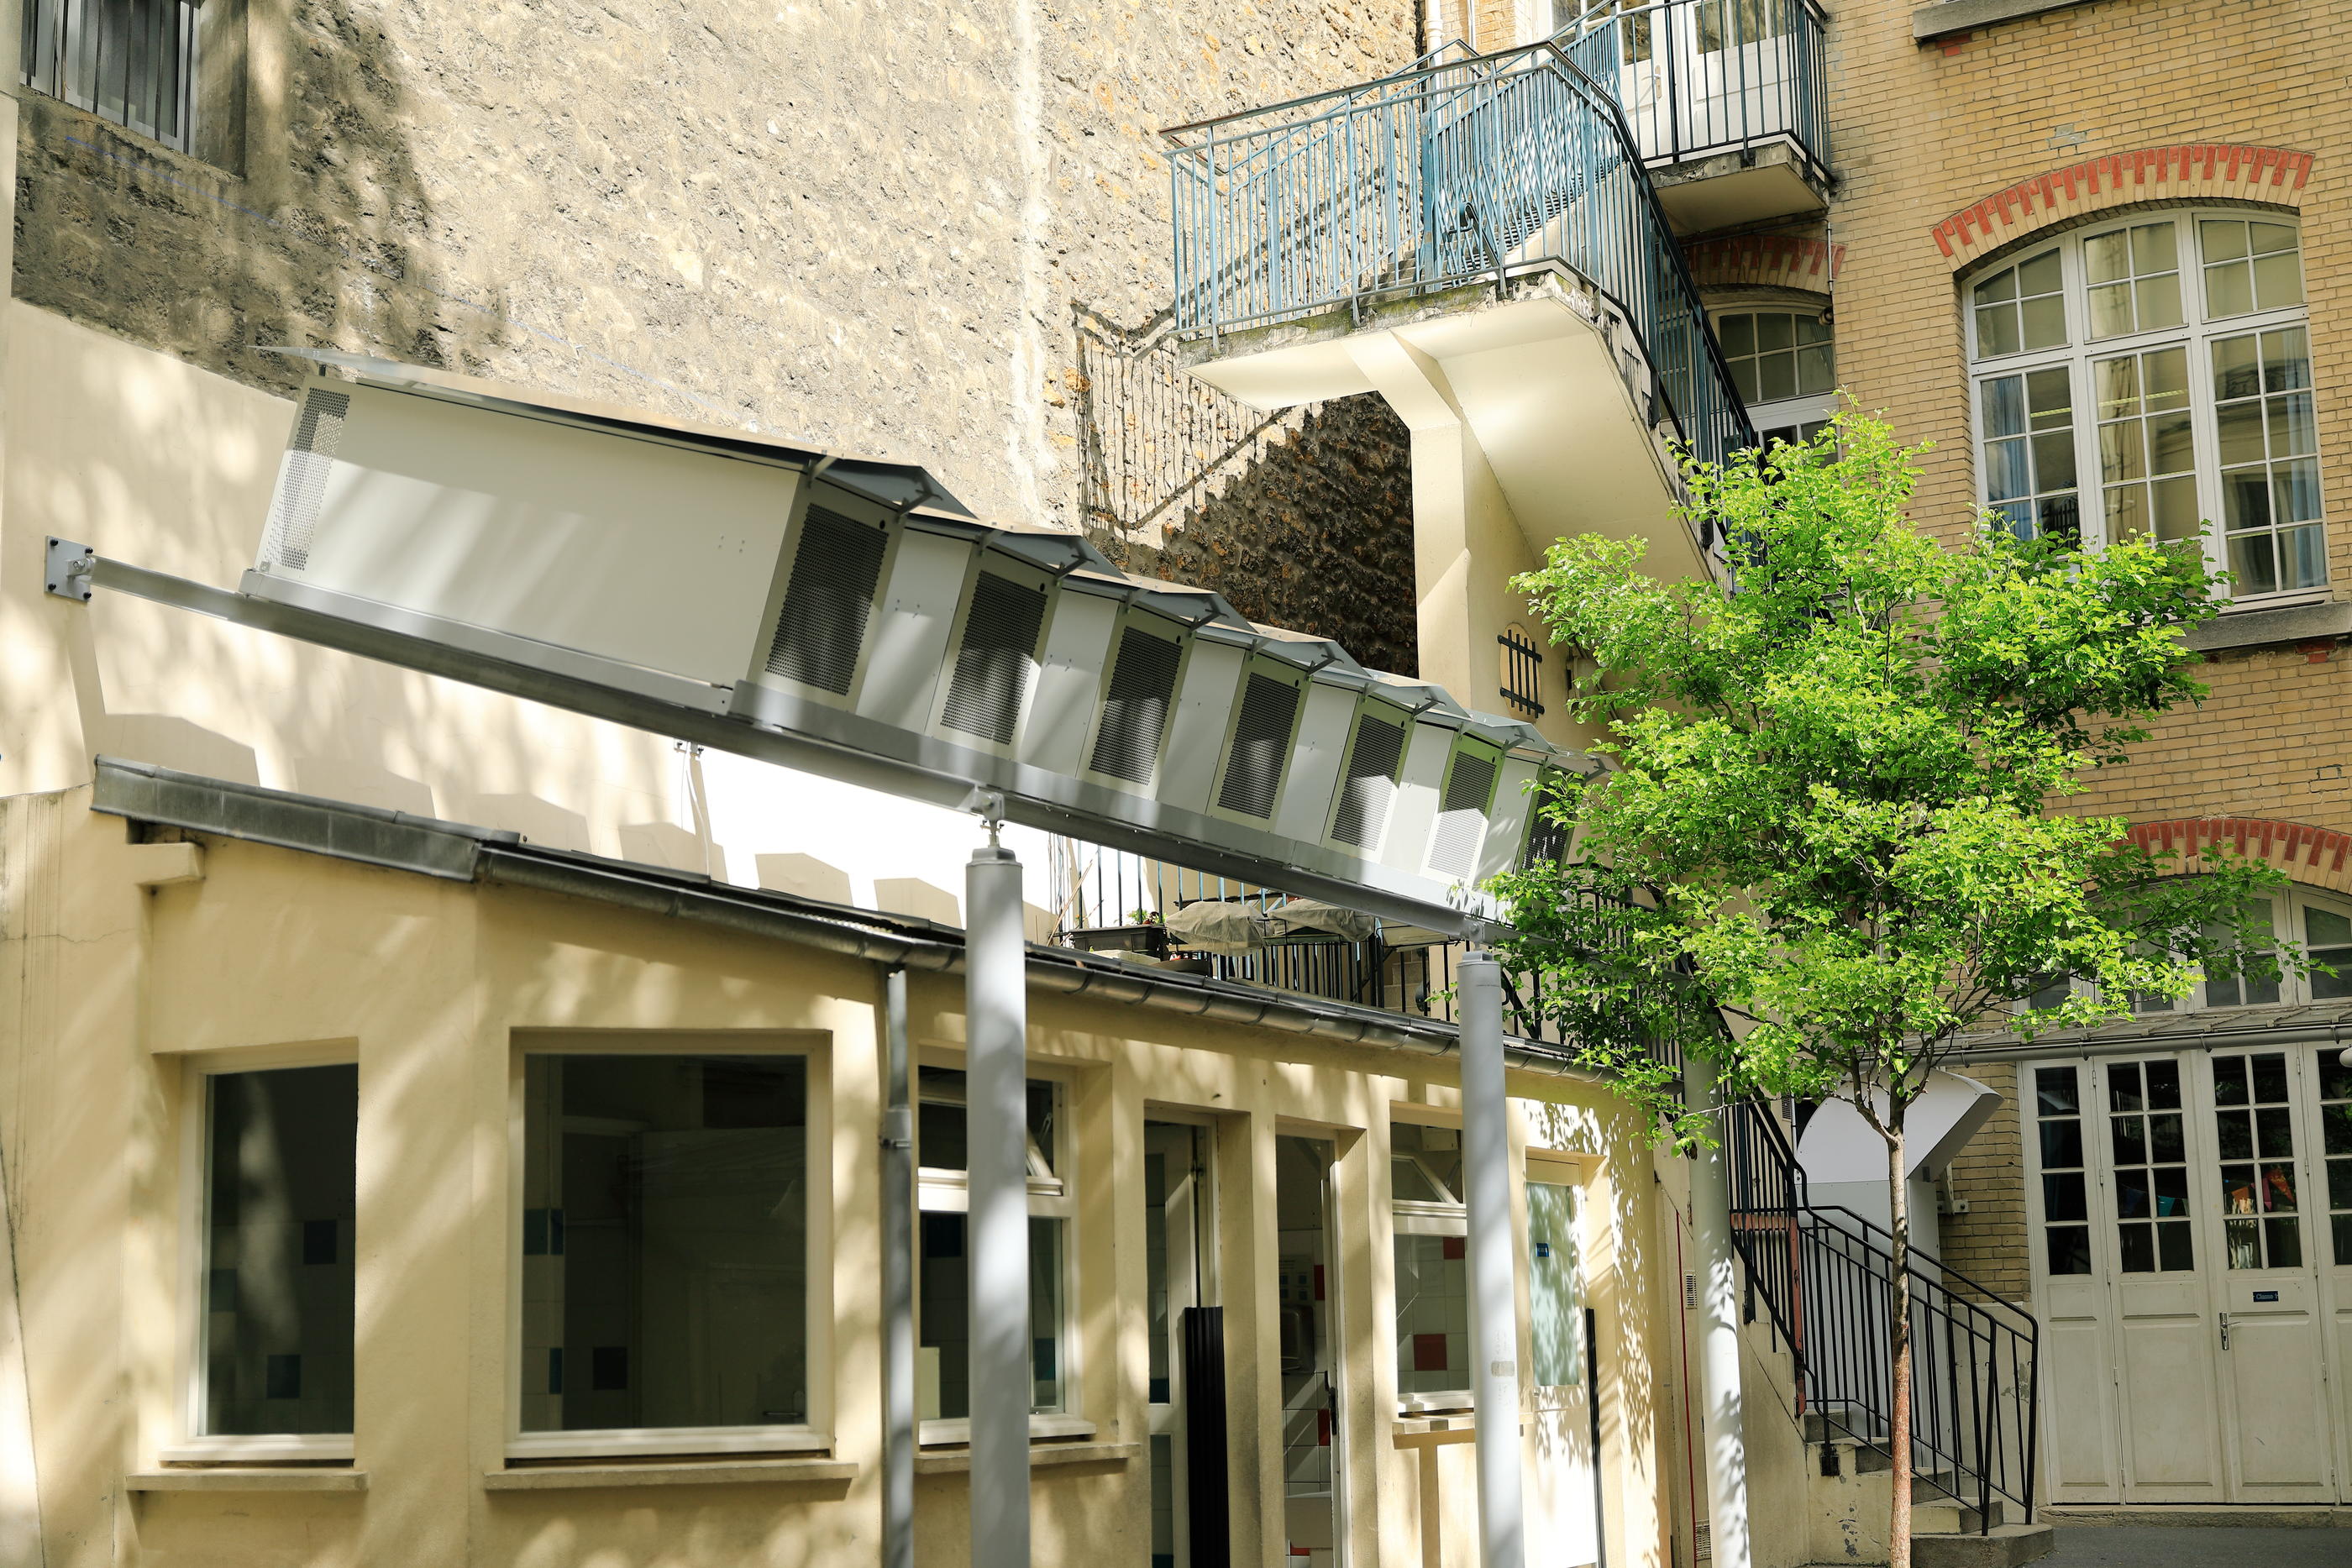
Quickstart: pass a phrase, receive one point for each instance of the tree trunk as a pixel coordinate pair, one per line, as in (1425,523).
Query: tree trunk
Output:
(1898,1343)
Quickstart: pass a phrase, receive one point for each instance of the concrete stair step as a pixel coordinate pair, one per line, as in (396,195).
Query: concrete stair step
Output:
(2004,1546)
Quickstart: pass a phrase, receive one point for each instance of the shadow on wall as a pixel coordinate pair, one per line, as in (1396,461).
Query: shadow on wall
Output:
(1302,519)
(306,223)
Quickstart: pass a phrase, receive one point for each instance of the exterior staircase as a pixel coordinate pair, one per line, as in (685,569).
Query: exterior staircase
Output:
(1823,1279)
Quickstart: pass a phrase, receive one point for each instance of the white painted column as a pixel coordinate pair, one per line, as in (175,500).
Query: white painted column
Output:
(996,1027)
(1494,1264)
(1723,1440)
(897,1279)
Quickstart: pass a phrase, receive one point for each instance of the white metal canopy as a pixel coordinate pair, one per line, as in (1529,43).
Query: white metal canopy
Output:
(849,617)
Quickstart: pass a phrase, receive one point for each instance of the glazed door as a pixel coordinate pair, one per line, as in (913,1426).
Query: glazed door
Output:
(1176,1239)
(2269,1320)
(1313,1436)
(1563,1505)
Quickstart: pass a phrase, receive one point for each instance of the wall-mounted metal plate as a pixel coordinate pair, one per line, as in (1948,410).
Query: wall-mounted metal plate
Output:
(68,566)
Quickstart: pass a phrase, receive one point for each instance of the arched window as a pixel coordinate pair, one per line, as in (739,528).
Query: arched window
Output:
(1784,368)
(2319,922)
(2153,376)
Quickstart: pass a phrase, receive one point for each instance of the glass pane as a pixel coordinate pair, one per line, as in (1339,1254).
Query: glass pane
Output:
(677,1295)
(2244,1241)
(2128,515)
(2137,1247)
(2003,401)
(2062,1145)
(2106,258)
(2151,249)
(2235,372)
(2270,237)
(2122,451)
(2283,1239)
(2302,559)
(2291,432)
(2159,300)
(2164,1085)
(2165,373)
(2117,383)
(2278,1188)
(1439,1151)
(2171,1182)
(2230,1079)
(2235,1132)
(2175,515)
(2002,284)
(1996,330)
(2326,929)
(2240,425)
(2164,1138)
(2054,460)
(1776,377)
(1812,329)
(1739,334)
(1432,1314)
(280,1194)
(2222,238)
(2050,398)
(2038,276)
(2278,281)
(2246,499)
(2343,1227)
(2006,475)
(2044,321)
(2062,1197)
(2295,491)
(2253,564)
(1556,1311)
(2171,449)
(2269,1075)
(1816,372)
(943,1316)
(1775,331)
(2070,1248)
(2054,1091)
(2124,1088)
(2111,310)
(1045,1314)
(2339,1184)
(2176,1248)
(1743,381)
(2238,1189)
(2229,290)
(2130,1138)
(940,1121)
(2061,518)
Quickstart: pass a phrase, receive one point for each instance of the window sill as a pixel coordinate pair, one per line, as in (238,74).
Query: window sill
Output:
(1451,1403)
(245,1478)
(749,1472)
(678,1441)
(949,1433)
(289,1448)
(2265,625)
(1930,23)
(1040,1455)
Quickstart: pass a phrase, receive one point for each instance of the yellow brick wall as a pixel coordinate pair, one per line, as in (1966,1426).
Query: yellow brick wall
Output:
(1920,133)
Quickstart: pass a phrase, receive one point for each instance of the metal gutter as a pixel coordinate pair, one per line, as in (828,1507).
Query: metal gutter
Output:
(397,841)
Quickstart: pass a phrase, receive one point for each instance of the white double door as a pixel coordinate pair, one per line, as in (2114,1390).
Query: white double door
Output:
(2197,1328)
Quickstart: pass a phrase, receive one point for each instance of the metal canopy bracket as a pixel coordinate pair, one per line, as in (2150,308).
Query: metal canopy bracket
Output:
(68,570)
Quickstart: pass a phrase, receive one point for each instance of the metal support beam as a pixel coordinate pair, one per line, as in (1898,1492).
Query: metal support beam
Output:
(1723,1437)
(1494,1264)
(897,1280)
(996,1139)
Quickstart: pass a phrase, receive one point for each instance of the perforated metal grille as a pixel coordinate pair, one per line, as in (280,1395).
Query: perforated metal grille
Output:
(1261,746)
(302,490)
(821,630)
(1548,838)
(993,661)
(1462,814)
(1135,711)
(1367,784)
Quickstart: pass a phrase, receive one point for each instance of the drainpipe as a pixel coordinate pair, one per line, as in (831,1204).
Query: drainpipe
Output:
(897,1280)
(1494,1259)
(997,1141)
(1722,1437)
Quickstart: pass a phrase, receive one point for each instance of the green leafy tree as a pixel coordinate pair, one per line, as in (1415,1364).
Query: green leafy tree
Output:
(1827,850)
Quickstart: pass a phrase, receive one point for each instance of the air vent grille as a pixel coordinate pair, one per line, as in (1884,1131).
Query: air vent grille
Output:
(1261,746)
(829,600)
(1368,782)
(993,666)
(1546,837)
(1135,710)
(1462,814)
(303,488)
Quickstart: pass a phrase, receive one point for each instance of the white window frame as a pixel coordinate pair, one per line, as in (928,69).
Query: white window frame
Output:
(187,1442)
(1805,408)
(1052,1196)
(2287,905)
(814,1435)
(2197,333)
(1410,1216)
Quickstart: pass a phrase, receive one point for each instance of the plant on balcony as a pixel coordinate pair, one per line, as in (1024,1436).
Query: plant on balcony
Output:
(1837,832)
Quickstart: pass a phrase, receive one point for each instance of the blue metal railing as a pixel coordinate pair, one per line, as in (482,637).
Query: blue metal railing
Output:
(1697,78)
(1457,171)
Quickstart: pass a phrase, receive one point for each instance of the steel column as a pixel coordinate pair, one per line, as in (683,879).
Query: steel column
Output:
(1723,1439)
(996,1138)
(897,1280)
(1494,1264)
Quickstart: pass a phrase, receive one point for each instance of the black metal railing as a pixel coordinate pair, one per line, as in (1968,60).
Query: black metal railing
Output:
(1827,1277)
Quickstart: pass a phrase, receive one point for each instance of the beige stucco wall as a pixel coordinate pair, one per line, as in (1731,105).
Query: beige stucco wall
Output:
(111,991)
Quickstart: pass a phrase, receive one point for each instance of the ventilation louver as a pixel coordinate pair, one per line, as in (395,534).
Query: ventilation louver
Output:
(302,490)
(1261,746)
(1135,709)
(1369,783)
(820,631)
(992,666)
(1462,815)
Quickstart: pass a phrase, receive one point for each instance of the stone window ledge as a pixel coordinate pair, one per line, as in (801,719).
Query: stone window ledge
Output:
(746,1472)
(245,1478)
(1930,23)
(2272,628)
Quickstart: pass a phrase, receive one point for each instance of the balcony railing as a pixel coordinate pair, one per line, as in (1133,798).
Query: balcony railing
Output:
(1695,77)
(1456,171)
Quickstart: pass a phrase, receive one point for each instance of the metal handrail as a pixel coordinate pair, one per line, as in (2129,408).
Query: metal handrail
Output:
(1444,174)
(1697,77)
(1826,1275)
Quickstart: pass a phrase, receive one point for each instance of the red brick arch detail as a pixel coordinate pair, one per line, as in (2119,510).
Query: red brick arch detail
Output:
(1777,261)
(2182,172)
(2319,857)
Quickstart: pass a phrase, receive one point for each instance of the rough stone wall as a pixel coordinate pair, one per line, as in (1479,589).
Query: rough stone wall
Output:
(1316,536)
(863,223)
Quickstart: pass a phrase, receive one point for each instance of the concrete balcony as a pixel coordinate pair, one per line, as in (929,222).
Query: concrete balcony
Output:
(1726,99)
(1477,240)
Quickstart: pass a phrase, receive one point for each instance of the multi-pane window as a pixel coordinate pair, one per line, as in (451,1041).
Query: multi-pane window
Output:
(2254,1129)
(1432,1269)
(2147,1139)
(2313,921)
(2336,1145)
(2166,357)
(943,1262)
(279,1195)
(129,61)
(665,1242)
(1775,355)
(2065,1203)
